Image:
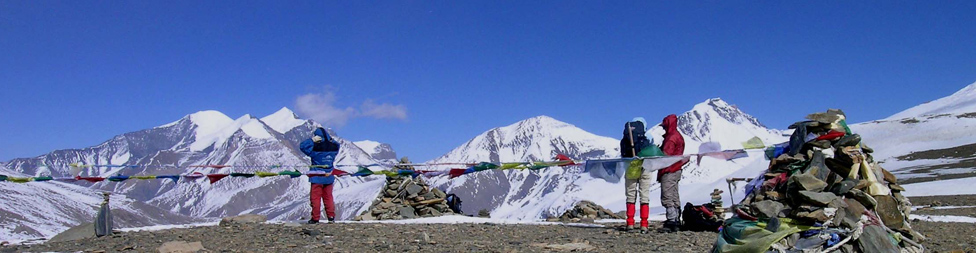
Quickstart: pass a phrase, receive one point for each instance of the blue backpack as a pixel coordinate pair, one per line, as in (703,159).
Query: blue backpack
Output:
(454,202)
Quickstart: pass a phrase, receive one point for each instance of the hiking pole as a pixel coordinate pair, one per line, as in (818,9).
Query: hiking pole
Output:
(731,181)
(630,131)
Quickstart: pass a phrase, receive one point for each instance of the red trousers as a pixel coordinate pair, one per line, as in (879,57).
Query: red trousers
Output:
(322,192)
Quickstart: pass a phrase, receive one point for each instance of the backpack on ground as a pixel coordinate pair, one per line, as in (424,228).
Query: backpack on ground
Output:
(701,218)
(454,202)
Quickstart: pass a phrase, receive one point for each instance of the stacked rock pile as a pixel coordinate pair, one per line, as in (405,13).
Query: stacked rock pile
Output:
(825,185)
(587,211)
(406,198)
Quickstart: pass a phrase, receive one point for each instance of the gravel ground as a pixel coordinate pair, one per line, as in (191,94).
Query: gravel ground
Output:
(362,237)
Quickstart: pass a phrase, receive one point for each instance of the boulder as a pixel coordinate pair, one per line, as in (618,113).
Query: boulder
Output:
(181,247)
(243,219)
(83,231)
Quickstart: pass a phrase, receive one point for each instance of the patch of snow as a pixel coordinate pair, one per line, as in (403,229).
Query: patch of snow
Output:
(165,227)
(960,186)
(367,145)
(943,218)
(283,120)
(940,207)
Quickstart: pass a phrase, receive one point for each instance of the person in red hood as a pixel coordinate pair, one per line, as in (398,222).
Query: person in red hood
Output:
(673,144)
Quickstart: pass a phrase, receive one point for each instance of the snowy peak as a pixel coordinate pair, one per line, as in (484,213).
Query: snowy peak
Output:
(715,120)
(379,151)
(214,128)
(533,139)
(283,120)
(963,101)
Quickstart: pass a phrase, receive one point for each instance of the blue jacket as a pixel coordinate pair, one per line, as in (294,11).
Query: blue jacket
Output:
(322,153)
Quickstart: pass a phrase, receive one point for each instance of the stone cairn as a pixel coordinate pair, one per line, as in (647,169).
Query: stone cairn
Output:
(717,203)
(406,197)
(830,180)
(586,211)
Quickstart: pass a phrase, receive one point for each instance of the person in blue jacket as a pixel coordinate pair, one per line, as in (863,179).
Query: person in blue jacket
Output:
(322,150)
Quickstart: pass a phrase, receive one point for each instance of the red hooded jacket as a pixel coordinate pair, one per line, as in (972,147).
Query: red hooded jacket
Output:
(673,143)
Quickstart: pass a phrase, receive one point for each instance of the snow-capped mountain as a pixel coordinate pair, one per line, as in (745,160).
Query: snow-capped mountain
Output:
(210,137)
(36,210)
(928,141)
(523,194)
(963,101)
(380,151)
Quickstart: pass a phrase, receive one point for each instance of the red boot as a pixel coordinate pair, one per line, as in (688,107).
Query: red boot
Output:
(631,209)
(645,214)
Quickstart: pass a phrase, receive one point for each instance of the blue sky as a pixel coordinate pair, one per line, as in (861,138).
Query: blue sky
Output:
(426,76)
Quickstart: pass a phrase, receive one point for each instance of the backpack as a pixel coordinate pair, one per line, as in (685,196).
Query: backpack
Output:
(700,218)
(454,202)
(640,139)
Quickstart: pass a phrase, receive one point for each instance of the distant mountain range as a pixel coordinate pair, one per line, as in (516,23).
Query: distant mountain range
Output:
(927,142)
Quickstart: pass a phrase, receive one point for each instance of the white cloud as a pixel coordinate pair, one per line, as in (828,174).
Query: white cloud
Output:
(384,110)
(322,108)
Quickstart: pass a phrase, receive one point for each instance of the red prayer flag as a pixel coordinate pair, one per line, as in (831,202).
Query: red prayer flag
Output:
(831,135)
(216,177)
(562,157)
(91,179)
(456,172)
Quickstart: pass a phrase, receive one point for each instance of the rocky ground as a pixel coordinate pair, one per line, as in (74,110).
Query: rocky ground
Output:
(368,237)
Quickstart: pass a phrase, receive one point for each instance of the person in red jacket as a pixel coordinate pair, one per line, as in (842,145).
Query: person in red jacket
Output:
(673,144)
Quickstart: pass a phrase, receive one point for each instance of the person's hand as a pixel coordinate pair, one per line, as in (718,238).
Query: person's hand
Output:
(316,139)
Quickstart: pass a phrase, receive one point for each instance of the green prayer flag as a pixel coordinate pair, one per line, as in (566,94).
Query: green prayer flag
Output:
(3,178)
(387,173)
(42,179)
(635,169)
(847,130)
(264,174)
(143,177)
(19,179)
(754,143)
(290,173)
(244,175)
(485,166)
(509,166)
(364,171)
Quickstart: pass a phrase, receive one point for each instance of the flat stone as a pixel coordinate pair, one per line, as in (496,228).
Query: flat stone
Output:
(843,187)
(414,189)
(243,219)
(817,215)
(181,247)
(83,231)
(888,176)
(888,211)
(391,193)
(429,195)
(817,198)
(866,200)
(438,193)
(435,212)
(896,187)
(808,182)
(408,212)
(767,208)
